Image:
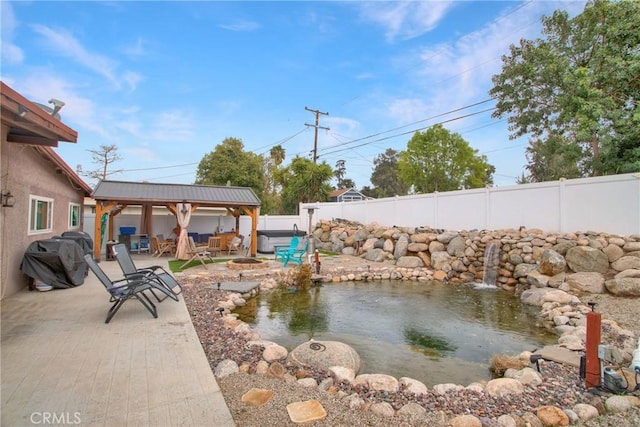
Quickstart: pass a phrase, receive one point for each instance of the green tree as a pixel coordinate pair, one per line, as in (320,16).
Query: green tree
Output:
(553,159)
(438,160)
(271,201)
(339,172)
(577,91)
(385,175)
(369,192)
(229,164)
(306,182)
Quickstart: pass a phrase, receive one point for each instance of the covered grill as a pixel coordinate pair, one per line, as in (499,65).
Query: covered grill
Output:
(55,262)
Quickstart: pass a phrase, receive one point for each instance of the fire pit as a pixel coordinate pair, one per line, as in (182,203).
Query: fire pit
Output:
(246,264)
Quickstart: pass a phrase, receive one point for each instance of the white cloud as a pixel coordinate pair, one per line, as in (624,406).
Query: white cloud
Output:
(446,76)
(132,79)
(407,110)
(241,26)
(405,20)
(78,112)
(172,126)
(142,152)
(135,50)
(64,44)
(10,52)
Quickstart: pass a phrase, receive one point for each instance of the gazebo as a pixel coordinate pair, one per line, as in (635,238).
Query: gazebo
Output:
(113,196)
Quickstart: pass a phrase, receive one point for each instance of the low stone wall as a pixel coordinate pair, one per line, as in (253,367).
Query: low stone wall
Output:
(593,262)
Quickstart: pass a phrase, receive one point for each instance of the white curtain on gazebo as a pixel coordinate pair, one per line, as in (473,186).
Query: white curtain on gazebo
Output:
(183,214)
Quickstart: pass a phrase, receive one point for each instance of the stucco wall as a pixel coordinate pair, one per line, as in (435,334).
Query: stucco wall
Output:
(26,172)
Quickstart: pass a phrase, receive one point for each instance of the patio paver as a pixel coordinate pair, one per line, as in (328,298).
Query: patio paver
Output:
(60,360)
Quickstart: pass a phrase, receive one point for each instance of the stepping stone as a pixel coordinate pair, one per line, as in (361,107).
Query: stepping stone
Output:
(306,412)
(257,396)
(560,355)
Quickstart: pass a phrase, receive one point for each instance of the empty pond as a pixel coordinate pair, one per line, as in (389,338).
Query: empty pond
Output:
(432,332)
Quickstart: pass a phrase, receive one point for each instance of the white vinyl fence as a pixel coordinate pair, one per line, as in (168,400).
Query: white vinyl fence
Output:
(605,204)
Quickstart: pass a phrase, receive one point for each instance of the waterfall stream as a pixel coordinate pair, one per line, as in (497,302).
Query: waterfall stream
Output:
(491,261)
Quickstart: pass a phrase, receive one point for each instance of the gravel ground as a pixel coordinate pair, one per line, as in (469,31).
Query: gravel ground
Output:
(561,386)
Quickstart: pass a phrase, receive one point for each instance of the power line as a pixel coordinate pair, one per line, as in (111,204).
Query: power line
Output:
(410,131)
(411,124)
(282,141)
(158,167)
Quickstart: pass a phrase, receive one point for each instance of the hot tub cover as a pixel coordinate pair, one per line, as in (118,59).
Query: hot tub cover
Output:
(55,262)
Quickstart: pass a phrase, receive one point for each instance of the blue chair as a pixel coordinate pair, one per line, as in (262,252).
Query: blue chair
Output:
(281,251)
(296,255)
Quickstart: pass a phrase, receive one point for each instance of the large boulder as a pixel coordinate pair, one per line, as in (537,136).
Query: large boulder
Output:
(523,270)
(377,255)
(613,252)
(586,258)
(626,263)
(586,282)
(440,259)
(409,262)
(401,246)
(326,354)
(456,246)
(503,387)
(552,263)
(378,382)
(624,286)
(534,296)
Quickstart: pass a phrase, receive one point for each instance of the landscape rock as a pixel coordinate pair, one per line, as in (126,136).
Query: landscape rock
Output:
(585,258)
(326,354)
(624,287)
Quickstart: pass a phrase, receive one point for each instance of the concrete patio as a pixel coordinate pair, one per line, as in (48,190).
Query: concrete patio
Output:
(61,364)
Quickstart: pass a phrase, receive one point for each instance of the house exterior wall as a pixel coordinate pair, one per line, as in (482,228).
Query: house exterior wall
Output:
(348,196)
(351,196)
(24,171)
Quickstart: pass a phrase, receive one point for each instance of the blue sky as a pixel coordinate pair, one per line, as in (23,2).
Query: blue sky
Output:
(167,81)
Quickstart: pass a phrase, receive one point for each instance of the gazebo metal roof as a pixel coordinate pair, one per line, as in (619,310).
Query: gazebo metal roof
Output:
(138,193)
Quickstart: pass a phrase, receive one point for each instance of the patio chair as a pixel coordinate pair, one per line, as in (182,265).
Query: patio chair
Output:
(161,246)
(154,272)
(125,289)
(214,245)
(295,255)
(236,245)
(201,253)
(280,251)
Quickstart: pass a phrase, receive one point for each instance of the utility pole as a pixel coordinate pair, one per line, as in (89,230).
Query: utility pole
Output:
(316,126)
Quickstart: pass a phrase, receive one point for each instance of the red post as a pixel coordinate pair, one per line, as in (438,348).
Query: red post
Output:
(317,261)
(592,371)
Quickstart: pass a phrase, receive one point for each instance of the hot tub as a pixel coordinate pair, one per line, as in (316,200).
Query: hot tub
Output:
(269,239)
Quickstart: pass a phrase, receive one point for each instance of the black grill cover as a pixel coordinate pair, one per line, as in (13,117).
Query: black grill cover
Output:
(81,238)
(56,262)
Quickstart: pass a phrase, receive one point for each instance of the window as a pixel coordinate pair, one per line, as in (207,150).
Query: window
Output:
(74,215)
(40,215)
